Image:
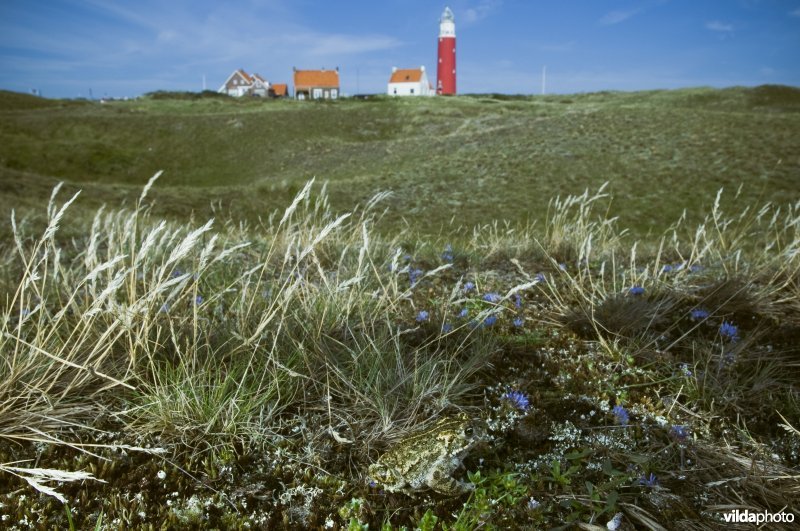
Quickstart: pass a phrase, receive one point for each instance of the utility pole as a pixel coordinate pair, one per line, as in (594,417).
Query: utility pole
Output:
(544,80)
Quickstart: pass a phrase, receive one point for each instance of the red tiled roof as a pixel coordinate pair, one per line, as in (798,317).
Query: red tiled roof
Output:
(245,75)
(408,75)
(280,89)
(316,78)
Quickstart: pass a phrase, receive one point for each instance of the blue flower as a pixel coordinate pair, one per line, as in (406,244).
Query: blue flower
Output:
(636,290)
(518,322)
(447,255)
(414,274)
(25,312)
(729,331)
(489,321)
(198,299)
(685,370)
(539,277)
(469,286)
(679,432)
(164,308)
(562,267)
(699,313)
(622,415)
(447,327)
(463,313)
(728,359)
(517,301)
(517,399)
(177,273)
(695,268)
(649,481)
(492,297)
(666,269)
(422,316)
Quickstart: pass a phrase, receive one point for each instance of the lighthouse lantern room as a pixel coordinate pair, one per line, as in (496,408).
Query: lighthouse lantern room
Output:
(446,71)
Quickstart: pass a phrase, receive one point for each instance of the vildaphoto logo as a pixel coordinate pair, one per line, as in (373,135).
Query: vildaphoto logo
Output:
(744,517)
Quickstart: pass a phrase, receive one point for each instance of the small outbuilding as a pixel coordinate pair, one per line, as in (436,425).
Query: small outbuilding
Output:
(279,90)
(316,84)
(409,82)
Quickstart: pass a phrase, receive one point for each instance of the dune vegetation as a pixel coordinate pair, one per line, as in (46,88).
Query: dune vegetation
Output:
(202,349)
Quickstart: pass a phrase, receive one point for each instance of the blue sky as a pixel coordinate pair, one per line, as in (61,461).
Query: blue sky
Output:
(119,48)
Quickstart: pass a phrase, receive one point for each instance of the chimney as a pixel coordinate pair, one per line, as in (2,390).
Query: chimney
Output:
(422,68)
(394,69)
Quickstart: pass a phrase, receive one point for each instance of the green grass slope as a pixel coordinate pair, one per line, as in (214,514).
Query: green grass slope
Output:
(471,158)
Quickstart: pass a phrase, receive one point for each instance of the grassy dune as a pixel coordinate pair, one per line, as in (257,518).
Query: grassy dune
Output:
(471,159)
(164,370)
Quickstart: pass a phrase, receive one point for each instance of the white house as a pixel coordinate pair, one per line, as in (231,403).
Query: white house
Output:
(240,83)
(409,82)
(260,86)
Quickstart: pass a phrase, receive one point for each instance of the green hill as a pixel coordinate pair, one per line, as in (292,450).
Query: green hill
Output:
(329,370)
(471,158)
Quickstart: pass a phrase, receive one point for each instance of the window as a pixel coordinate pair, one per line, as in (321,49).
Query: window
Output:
(317,94)
(412,91)
(334,94)
(395,91)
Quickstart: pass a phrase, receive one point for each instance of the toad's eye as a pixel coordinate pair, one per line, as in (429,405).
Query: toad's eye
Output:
(468,431)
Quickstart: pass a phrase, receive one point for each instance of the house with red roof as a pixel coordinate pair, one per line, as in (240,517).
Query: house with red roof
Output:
(316,84)
(240,83)
(409,82)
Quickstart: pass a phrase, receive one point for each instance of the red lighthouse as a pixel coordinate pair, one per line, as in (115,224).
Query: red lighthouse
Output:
(446,71)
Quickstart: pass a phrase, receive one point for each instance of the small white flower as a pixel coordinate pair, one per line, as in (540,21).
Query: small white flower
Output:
(161,475)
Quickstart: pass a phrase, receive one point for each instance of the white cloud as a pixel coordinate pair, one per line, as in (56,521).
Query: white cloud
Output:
(615,17)
(722,27)
(336,44)
(174,44)
(167,35)
(795,13)
(480,11)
